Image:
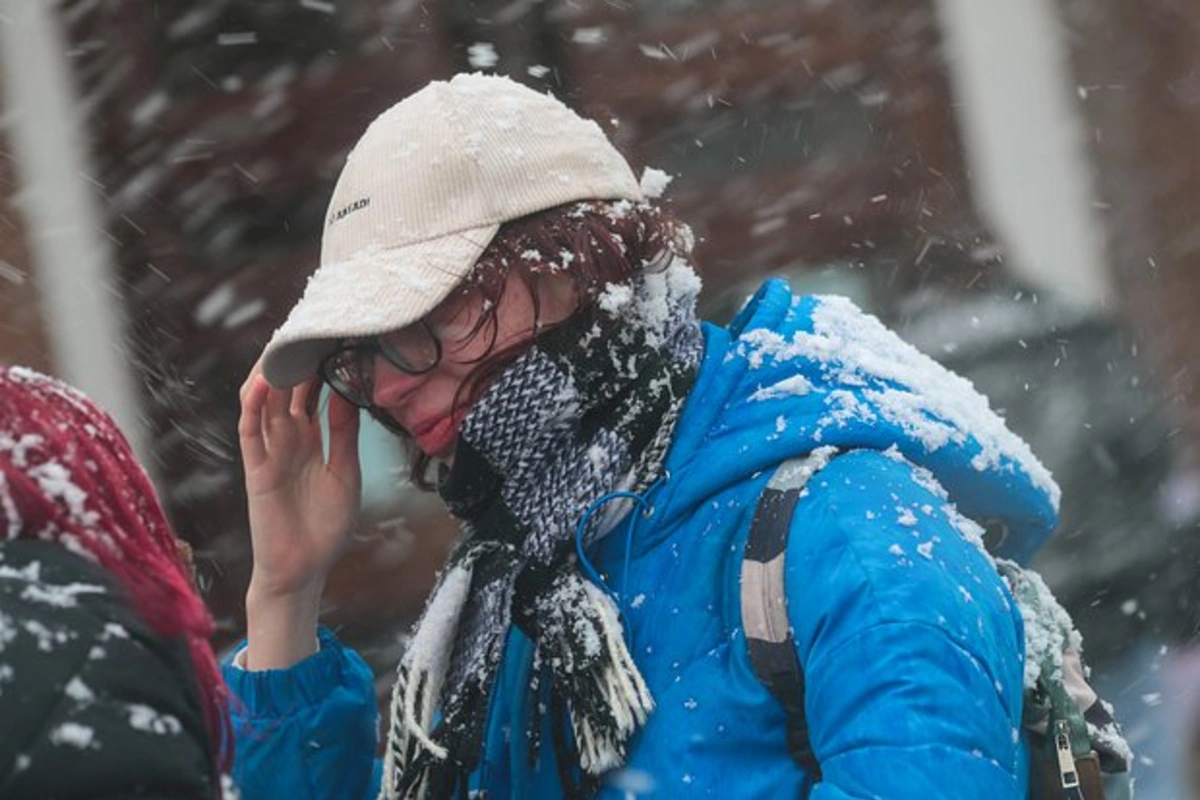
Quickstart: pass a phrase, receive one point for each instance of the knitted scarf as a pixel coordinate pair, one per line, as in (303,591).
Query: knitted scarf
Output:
(589,409)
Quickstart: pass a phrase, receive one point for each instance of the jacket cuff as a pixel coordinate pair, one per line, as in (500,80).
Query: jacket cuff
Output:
(282,692)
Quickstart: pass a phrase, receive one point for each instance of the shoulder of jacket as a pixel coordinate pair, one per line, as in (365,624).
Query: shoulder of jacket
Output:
(872,538)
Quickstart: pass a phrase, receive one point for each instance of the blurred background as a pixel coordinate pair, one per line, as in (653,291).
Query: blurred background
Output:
(1014,186)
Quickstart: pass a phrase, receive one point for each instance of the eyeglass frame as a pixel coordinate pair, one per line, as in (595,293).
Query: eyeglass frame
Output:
(375,347)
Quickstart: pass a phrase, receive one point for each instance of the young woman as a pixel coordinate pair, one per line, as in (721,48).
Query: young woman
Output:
(108,686)
(498,290)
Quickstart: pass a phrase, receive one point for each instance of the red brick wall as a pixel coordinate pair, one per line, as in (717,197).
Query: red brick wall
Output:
(1138,68)
(22,329)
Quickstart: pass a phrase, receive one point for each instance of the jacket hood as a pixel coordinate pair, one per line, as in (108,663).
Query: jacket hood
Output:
(794,374)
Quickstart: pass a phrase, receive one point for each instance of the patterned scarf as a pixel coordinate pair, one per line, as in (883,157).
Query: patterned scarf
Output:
(588,410)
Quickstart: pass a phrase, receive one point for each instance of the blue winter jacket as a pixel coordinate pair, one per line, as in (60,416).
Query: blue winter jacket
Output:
(911,646)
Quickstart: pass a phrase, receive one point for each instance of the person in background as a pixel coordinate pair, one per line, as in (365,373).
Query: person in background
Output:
(108,686)
(498,290)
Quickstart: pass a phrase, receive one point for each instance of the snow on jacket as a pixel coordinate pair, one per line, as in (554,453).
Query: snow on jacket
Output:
(912,647)
(93,704)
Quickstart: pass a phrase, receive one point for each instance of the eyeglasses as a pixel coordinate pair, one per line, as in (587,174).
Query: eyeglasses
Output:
(350,370)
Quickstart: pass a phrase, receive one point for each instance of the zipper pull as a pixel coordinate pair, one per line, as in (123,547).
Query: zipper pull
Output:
(1068,777)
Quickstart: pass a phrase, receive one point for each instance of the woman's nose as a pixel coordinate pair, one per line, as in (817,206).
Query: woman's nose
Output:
(390,385)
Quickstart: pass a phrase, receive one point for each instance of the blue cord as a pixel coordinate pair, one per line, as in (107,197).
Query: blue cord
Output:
(581,528)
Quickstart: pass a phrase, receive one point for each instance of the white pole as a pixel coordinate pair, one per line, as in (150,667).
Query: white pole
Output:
(73,263)
(1025,142)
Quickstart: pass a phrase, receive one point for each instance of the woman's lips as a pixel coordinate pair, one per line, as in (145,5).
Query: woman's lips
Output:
(437,439)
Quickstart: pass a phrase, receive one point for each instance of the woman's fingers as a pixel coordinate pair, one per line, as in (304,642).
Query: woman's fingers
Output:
(343,434)
(277,404)
(298,407)
(248,384)
(275,424)
(307,425)
(250,428)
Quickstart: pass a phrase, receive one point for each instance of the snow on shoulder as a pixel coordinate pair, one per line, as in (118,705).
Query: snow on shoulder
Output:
(907,388)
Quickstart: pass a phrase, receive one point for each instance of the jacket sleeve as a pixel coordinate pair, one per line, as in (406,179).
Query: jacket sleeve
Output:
(307,732)
(911,646)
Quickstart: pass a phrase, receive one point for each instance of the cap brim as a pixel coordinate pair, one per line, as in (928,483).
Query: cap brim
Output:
(374,291)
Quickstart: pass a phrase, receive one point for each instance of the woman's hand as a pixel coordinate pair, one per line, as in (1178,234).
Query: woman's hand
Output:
(303,512)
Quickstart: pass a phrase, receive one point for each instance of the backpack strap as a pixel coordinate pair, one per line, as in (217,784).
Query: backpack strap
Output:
(1085,756)
(764,600)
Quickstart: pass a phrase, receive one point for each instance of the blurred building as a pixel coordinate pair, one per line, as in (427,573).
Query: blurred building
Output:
(854,146)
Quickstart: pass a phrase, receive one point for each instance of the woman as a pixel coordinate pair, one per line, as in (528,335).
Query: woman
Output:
(108,685)
(496,288)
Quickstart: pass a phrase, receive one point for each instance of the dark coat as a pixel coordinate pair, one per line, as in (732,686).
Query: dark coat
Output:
(93,704)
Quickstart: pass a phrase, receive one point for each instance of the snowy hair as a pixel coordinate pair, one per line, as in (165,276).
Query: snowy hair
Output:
(593,244)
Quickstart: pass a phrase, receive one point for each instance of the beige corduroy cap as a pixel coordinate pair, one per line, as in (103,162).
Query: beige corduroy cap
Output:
(422,194)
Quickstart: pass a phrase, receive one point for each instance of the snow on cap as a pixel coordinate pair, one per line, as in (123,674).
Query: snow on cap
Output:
(422,194)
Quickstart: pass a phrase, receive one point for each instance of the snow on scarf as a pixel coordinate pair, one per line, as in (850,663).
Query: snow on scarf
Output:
(587,411)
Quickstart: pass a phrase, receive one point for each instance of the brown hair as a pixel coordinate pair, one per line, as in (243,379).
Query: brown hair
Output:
(593,244)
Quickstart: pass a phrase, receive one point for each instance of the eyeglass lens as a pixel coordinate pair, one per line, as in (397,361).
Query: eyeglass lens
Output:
(351,370)
(413,349)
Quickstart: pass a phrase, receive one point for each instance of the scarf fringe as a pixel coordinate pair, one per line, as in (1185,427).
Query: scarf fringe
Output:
(601,733)
(403,775)
(419,680)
